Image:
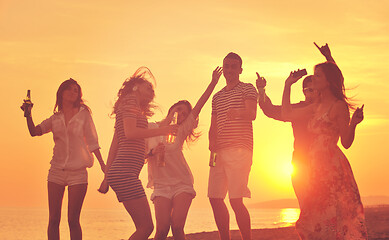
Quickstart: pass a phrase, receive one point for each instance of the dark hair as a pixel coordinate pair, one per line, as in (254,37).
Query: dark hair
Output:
(193,136)
(234,56)
(307,80)
(141,75)
(336,81)
(64,86)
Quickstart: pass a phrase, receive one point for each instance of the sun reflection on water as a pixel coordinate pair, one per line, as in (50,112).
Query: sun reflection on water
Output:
(289,216)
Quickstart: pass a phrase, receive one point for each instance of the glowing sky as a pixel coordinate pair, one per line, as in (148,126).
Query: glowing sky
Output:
(100,43)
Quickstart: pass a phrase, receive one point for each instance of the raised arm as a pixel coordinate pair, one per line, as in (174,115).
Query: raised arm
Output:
(203,99)
(131,131)
(34,130)
(264,102)
(325,50)
(287,111)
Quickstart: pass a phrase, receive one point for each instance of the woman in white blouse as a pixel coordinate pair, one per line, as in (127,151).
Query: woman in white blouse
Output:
(172,182)
(75,139)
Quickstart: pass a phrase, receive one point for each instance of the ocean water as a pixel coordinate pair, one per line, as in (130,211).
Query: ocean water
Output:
(18,224)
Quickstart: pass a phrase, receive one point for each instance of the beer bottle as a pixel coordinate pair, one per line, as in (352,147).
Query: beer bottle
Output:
(171,138)
(27,104)
(212,159)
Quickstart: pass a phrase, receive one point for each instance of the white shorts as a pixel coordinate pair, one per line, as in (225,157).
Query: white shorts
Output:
(170,191)
(68,177)
(231,174)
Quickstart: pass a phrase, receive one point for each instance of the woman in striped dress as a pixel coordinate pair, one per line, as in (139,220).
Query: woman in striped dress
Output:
(127,152)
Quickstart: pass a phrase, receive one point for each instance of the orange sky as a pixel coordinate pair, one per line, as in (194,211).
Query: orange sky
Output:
(99,44)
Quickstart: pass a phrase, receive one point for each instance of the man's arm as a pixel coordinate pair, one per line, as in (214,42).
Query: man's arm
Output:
(212,134)
(249,112)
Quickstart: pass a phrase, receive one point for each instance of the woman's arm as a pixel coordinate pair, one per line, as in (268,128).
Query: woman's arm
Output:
(203,99)
(287,111)
(100,159)
(34,130)
(131,131)
(325,50)
(347,127)
(111,157)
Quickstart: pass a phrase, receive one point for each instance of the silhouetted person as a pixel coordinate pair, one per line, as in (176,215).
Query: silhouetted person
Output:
(302,137)
(75,139)
(231,138)
(127,152)
(172,182)
(333,208)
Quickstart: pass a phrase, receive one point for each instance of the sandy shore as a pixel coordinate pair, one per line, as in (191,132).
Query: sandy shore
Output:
(377,220)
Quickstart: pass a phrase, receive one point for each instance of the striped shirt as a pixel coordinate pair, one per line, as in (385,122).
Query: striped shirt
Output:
(233,133)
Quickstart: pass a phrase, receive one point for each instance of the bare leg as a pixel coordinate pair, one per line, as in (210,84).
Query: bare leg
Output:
(139,211)
(181,204)
(55,192)
(76,199)
(242,216)
(222,217)
(163,209)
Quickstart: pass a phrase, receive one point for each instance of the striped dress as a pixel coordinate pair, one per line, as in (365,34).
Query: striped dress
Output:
(123,175)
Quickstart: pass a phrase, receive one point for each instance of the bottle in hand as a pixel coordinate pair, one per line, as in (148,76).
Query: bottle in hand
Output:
(212,159)
(27,104)
(171,138)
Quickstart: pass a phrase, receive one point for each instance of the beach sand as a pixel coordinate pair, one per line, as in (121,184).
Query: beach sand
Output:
(377,221)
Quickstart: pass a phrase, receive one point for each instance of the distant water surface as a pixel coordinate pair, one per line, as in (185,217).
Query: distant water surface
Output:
(21,224)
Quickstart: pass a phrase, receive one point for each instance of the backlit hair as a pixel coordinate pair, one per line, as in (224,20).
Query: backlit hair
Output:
(142,75)
(336,81)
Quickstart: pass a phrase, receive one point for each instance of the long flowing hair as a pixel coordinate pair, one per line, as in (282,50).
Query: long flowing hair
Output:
(142,75)
(64,86)
(194,135)
(336,82)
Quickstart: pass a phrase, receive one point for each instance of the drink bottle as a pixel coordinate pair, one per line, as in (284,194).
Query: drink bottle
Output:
(27,103)
(212,159)
(171,138)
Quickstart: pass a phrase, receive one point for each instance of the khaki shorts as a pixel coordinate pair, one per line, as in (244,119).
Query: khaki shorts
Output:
(171,191)
(231,174)
(68,177)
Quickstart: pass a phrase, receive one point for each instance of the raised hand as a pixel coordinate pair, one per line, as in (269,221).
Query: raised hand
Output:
(26,105)
(357,116)
(294,76)
(216,74)
(325,51)
(260,82)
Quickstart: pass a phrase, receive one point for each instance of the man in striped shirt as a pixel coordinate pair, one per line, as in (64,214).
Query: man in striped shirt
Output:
(231,137)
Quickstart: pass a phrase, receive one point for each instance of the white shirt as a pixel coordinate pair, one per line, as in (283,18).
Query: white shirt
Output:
(74,143)
(176,169)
